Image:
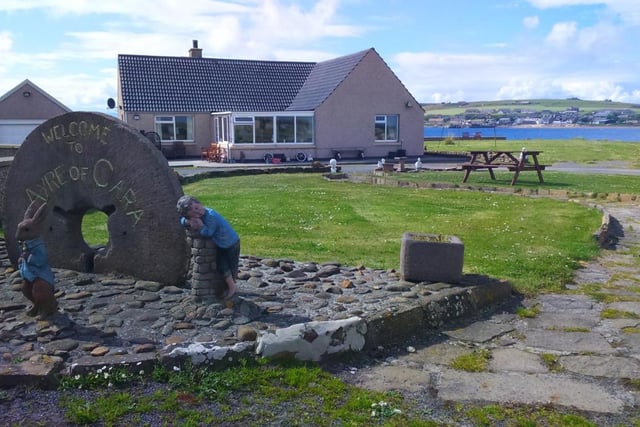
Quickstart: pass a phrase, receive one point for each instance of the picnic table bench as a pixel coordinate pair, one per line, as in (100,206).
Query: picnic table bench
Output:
(514,161)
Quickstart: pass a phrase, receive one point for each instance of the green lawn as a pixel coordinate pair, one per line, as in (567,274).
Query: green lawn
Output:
(589,185)
(307,218)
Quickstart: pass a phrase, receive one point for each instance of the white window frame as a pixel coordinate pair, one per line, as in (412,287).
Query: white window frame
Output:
(249,119)
(221,128)
(383,119)
(171,119)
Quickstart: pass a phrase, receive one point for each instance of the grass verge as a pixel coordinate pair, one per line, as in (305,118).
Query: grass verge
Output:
(260,394)
(595,186)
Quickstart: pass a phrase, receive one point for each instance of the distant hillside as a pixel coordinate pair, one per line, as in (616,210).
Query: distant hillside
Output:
(554,105)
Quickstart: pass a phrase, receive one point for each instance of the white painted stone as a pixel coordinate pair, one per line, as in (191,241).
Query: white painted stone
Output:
(209,352)
(314,340)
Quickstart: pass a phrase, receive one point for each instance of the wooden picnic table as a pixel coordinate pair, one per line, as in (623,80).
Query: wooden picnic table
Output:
(515,161)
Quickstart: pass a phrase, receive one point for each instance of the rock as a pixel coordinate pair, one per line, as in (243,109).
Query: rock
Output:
(183,325)
(99,351)
(172,340)
(67,344)
(247,333)
(147,285)
(313,341)
(346,284)
(328,270)
(144,348)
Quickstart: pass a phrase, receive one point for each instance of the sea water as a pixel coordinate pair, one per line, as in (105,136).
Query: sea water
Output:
(623,134)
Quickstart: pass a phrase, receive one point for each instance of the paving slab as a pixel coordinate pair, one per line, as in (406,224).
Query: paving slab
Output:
(513,359)
(481,331)
(567,342)
(602,366)
(626,306)
(565,319)
(517,387)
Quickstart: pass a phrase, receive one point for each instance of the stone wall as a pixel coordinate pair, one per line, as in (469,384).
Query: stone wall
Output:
(206,283)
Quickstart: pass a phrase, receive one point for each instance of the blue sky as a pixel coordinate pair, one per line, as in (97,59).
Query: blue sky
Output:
(443,51)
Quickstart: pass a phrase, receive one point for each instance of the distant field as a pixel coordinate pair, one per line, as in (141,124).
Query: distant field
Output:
(553,151)
(531,104)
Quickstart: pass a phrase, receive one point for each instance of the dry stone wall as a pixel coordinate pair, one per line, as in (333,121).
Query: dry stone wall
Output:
(206,283)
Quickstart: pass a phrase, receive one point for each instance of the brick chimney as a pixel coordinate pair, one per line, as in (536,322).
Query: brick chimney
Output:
(195,52)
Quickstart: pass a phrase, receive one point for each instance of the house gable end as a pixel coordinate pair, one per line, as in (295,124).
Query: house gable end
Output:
(323,80)
(411,99)
(27,101)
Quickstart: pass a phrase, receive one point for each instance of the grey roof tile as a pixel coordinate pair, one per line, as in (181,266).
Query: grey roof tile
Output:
(324,79)
(185,84)
(160,83)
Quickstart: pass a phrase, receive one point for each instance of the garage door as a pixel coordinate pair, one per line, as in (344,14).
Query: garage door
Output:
(15,131)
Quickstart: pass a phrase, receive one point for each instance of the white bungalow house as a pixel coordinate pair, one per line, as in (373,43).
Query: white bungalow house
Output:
(351,106)
(24,108)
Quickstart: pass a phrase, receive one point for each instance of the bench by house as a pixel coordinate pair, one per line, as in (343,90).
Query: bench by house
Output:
(348,153)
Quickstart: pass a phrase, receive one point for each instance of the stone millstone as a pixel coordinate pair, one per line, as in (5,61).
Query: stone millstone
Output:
(79,162)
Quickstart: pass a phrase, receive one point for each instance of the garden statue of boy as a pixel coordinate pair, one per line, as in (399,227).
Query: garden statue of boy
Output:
(210,224)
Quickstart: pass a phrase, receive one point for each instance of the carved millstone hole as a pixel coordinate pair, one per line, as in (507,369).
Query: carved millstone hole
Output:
(79,163)
(95,231)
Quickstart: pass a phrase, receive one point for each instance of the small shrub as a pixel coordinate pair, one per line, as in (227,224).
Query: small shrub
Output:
(528,312)
(105,377)
(552,362)
(610,313)
(575,329)
(477,361)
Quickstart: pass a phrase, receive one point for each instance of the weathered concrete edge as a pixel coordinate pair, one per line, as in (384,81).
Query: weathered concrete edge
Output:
(315,341)
(452,304)
(311,341)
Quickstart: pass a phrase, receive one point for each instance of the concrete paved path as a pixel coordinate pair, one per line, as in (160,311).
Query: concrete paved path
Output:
(578,352)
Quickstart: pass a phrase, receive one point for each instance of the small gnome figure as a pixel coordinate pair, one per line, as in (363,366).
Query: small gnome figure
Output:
(37,278)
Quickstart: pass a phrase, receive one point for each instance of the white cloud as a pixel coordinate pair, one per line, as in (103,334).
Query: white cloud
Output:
(565,63)
(547,4)
(598,39)
(6,43)
(276,23)
(444,77)
(531,22)
(562,33)
(627,11)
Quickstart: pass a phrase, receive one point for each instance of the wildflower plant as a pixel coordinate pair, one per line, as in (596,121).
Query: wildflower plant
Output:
(104,377)
(382,410)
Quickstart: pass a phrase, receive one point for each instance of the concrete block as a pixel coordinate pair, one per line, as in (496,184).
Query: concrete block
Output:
(431,258)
